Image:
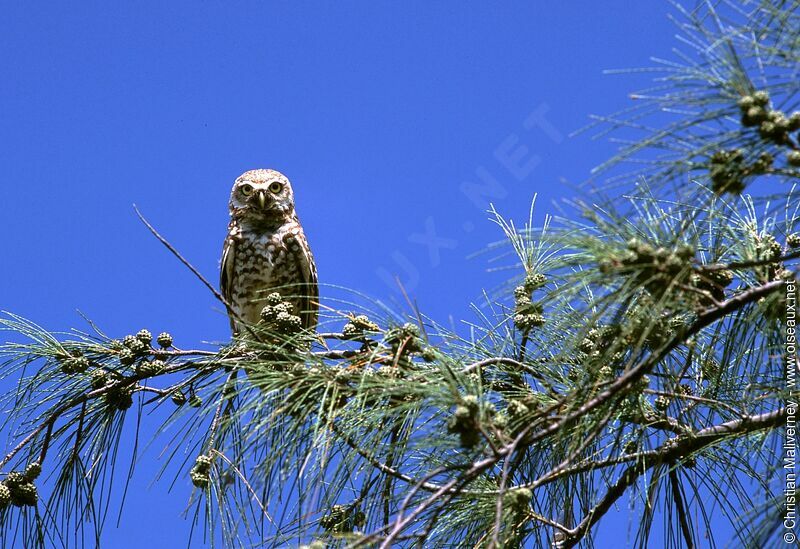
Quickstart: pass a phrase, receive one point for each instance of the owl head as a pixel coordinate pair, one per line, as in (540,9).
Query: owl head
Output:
(262,194)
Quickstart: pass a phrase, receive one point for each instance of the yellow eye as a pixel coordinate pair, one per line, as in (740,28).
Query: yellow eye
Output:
(275,187)
(247,189)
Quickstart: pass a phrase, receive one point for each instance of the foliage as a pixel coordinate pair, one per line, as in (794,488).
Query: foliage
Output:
(639,353)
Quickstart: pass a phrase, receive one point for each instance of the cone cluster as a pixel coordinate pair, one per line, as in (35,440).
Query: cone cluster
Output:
(728,170)
(657,267)
(405,337)
(358,327)
(201,471)
(464,421)
(528,313)
(277,316)
(149,368)
(119,397)
(75,363)
(342,519)
(18,488)
(773,125)
(768,249)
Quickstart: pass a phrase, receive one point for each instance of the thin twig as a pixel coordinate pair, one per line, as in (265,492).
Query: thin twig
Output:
(46,444)
(747,264)
(498,519)
(694,398)
(245,482)
(212,431)
(683,520)
(382,466)
(195,272)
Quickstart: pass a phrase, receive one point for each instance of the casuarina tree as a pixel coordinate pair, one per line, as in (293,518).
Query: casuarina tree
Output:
(642,357)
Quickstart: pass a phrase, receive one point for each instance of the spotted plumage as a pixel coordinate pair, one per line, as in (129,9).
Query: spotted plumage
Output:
(266,251)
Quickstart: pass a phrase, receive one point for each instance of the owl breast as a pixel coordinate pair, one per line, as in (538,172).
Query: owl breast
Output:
(264,264)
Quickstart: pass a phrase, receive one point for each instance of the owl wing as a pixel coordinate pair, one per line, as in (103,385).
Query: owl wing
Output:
(307,269)
(226,273)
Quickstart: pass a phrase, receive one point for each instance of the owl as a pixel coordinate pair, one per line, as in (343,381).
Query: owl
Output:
(266,251)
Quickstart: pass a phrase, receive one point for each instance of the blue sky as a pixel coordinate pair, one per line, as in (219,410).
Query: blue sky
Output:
(384,116)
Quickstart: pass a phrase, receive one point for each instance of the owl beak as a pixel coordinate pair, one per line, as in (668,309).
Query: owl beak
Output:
(262,199)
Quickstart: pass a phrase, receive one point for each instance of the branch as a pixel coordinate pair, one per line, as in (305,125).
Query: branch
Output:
(620,384)
(82,399)
(636,373)
(699,441)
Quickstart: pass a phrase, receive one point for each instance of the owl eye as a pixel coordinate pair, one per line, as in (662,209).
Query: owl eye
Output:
(275,187)
(246,189)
